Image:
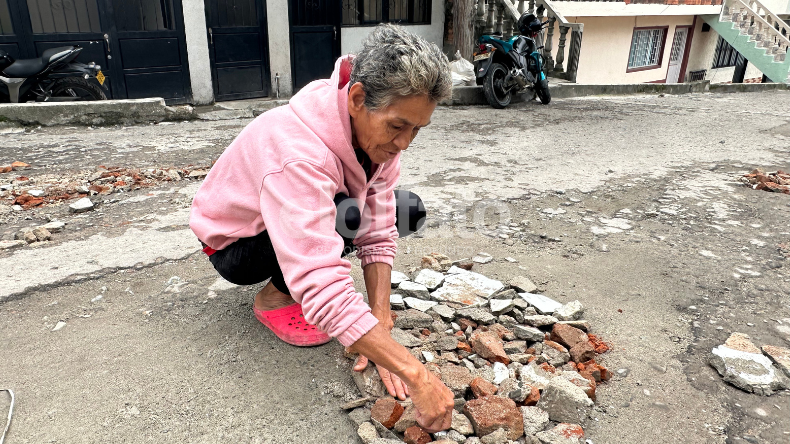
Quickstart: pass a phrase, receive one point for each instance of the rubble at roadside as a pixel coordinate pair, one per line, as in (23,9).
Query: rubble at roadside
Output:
(523,367)
(20,192)
(759,370)
(778,181)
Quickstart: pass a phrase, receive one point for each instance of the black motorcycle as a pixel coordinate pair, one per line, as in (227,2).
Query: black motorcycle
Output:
(505,67)
(53,77)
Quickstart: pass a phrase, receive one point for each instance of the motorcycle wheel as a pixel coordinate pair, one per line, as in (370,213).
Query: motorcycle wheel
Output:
(79,88)
(542,90)
(492,86)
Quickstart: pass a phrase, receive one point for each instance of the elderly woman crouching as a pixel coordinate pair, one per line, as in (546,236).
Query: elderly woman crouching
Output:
(306,184)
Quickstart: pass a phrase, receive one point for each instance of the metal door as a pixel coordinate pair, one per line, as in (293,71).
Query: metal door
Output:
(148,48)
(140,44)
(238,47)
(676,56)
(315,39)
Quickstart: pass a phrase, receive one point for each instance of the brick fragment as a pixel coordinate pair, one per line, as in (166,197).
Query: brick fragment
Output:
(490,413)
(416,435)
(481,387)
(488,345)
(387,411)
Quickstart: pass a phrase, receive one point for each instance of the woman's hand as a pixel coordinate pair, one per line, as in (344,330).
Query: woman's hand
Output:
(395,386)
(433,402)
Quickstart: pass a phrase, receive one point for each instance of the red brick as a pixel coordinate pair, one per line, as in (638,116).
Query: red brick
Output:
(387,411)
(598,344)
(567,336)
(416,435)
(463,346)
(582,352)
(490,413)
(500,330)
(533,397)
(481,387)
(466,323)
(489,346)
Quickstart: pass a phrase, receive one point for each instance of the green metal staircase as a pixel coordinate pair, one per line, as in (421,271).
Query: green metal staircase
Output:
(757,33)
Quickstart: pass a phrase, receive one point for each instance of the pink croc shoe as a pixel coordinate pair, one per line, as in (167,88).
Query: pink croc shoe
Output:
(288,324)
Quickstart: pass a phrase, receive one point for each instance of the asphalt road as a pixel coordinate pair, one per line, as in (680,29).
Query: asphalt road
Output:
(148,361)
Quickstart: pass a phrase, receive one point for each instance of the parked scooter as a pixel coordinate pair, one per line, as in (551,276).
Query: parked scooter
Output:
(53,77)
(506,67)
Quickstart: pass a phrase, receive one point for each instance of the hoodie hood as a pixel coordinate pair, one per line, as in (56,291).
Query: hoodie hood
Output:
(322,106)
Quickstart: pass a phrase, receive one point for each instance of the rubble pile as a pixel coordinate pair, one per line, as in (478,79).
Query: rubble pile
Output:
(24,192)
(778,182)
(762,371)
(522,366)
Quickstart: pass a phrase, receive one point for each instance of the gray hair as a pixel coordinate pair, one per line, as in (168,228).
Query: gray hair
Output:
(395,63)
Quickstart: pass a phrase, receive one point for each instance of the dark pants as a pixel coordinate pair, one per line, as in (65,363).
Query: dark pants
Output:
(251,260)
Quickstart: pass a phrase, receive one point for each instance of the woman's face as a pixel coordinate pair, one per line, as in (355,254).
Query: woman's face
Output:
(384,133)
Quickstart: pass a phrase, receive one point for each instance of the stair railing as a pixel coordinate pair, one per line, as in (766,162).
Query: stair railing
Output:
(762,25)
(501,17)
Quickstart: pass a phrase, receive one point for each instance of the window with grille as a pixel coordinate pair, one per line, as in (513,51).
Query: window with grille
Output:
(371,12)
(647,47)
(725,55)
(58,16)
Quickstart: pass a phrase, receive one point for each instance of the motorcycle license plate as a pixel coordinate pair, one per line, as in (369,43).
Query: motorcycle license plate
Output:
(483,56)
(100,77)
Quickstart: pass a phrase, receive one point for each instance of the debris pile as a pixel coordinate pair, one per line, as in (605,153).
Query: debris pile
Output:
(24,192)
(761,371)
(778,182)
(522,366)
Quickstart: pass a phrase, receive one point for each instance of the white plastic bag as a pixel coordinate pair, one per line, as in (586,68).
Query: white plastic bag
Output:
(463,71)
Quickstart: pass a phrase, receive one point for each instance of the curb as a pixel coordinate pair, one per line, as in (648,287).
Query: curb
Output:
(104,112)
(748,87)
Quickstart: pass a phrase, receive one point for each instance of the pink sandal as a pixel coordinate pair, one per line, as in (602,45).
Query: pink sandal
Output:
(288,324)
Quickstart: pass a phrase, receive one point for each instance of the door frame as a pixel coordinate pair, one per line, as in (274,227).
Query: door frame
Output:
(682,60)
(263,24)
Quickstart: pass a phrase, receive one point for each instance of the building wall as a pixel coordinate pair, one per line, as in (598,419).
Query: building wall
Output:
(777,6)
(351,37)
(197,52)
(279,46)
(606,45)
(703,48)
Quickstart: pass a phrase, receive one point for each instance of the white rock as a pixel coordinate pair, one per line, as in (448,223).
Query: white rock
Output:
(396,277)
(11,244)
(221,284)
(482,258)
(55,226)
(81,205)
(750,372)
(467,288)
(531,334)
(59,325)
(414,290)
(571,311)
(419,304)
(617,223)
(553,212)
(396,301)
(542,303)
(535,376)
(511,260)
(501,373)
(500,306)
(97,298)
(430,278)
(564,401)
(428,356)
(35,193)
(535,420)
(457,270)
(523,284)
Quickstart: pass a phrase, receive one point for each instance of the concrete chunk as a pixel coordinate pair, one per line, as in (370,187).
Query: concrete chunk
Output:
(542,303)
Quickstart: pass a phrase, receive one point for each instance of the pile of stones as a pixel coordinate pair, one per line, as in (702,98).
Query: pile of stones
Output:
(522,366)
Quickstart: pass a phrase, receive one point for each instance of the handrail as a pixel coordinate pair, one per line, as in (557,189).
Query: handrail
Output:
(769,13)
(758,18)
(560,18)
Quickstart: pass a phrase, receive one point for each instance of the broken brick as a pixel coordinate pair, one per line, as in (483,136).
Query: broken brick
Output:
(416,435)
(387,411)
(463,346)
(533,397)
(481,387)
(466,323)
(598,344)
(567,336)
(488,345)
(489,413)
(19,165)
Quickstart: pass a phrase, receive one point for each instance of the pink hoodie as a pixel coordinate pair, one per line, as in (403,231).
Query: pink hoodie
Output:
(281,174)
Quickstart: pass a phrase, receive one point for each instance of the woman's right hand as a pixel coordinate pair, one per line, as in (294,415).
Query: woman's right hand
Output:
(433,402)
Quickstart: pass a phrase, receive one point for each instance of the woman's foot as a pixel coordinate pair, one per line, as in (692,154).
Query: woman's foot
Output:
(270,298)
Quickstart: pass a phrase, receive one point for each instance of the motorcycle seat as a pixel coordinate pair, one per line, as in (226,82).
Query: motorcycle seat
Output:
(29,67)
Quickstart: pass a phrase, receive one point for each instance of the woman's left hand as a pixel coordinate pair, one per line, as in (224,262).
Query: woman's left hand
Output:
(395,386)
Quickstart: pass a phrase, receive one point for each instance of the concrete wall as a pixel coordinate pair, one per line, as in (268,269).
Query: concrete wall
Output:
(279,46)
(777,6)
(606,45)
(197,52)
(703,48)
(351,37)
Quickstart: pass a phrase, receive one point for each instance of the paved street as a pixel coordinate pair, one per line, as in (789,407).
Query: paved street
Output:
(169,353)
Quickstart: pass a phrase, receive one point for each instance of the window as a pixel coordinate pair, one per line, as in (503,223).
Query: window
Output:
(143,15)
(57,16)
(647,48)
(371,12)
(725,55)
